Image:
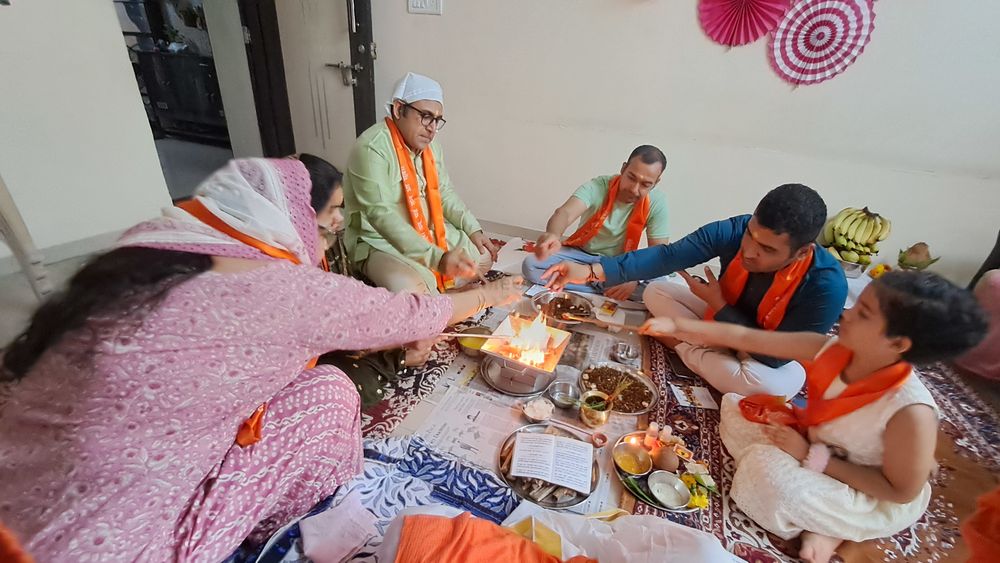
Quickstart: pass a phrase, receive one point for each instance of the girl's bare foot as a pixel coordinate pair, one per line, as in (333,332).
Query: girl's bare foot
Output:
(818,548)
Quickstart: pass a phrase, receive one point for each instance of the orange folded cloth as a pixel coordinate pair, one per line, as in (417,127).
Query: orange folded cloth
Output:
(10,548)
(435,539)
(982,530)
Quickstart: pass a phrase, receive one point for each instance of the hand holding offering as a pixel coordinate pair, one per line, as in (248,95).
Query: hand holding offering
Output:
(547,245)
(563,273)
(457,264)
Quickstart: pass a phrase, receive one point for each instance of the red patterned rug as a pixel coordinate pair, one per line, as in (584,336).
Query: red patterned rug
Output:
(406,392)
(968,452)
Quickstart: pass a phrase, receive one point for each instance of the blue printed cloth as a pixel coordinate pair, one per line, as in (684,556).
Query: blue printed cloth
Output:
(400,473)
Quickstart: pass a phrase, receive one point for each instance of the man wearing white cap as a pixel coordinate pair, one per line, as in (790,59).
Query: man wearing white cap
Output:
(407,230)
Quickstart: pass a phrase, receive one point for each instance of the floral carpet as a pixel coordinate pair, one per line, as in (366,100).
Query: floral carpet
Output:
(968,453)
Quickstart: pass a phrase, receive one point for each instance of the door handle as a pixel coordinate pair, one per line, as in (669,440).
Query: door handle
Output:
(347,72)
(352,17)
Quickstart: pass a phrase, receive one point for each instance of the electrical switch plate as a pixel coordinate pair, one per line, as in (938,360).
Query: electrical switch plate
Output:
(432,7)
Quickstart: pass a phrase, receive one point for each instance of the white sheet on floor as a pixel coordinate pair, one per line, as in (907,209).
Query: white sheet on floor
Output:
(336,535)
(635,539)
(510,257)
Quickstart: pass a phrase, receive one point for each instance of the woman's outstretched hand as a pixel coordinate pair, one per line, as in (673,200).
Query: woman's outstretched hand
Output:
(503,291)
(659,326)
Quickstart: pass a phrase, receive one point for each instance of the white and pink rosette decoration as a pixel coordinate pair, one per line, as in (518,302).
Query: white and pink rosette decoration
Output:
(819,39)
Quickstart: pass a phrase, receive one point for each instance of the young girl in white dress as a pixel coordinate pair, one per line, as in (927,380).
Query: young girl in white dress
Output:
(854,464)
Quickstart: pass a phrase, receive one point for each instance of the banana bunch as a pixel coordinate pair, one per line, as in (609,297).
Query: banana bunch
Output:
(853,235)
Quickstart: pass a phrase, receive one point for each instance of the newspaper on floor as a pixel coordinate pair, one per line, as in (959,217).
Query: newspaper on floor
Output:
(468,420)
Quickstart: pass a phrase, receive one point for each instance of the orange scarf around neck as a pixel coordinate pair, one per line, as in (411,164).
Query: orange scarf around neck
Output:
(633,231)
(411,191)
(251,430)
(820,374)
(771,310)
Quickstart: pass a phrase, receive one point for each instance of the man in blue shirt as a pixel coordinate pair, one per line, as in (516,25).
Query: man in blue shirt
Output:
(773,277)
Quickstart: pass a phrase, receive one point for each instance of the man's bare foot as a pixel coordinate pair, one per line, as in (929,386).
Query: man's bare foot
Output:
(818,548)
(668,341)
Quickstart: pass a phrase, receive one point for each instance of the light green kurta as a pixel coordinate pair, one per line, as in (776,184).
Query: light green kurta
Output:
(375,206)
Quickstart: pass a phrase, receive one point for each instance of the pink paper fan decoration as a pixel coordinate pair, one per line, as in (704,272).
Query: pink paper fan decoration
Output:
(819,39)
(738,22)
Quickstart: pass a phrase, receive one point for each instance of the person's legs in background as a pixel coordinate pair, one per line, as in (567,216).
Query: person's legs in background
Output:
(731,372)
(723,369)
(665,298)
(532,268)
(385,270)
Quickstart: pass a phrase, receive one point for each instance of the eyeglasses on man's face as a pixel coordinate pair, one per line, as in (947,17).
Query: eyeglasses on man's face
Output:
(426,117)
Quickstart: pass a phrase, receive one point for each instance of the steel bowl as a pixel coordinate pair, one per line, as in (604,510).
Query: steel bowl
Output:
(851,269)
(472,347)
(633,450)
(626,353)
(542,300)
(531,418)
(564,394)
(668,489)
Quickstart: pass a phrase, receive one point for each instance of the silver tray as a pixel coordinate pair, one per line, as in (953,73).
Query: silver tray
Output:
(638,375)
(622,475)
(520,491)
(512,378)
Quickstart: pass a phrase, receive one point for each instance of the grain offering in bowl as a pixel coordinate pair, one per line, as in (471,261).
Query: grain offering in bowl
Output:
(635,397)
(558,307)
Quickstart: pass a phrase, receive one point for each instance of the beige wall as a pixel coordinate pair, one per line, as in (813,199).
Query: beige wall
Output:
(76,150)
(540,96)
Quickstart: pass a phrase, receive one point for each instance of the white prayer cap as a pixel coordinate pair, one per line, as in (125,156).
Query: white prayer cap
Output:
(415,87)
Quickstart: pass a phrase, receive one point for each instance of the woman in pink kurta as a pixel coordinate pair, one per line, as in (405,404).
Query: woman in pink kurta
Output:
(117,437)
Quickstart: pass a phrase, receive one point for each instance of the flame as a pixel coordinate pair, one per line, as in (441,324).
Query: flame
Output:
(532,342)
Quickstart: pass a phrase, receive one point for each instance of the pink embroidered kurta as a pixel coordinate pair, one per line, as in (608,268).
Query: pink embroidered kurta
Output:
(127,453)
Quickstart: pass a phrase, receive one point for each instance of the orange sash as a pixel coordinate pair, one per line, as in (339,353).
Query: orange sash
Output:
(772,307)
(10,549)
(203,214)
(412,193)
(982,530)
(820,373)
(250,431)
(633,231)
